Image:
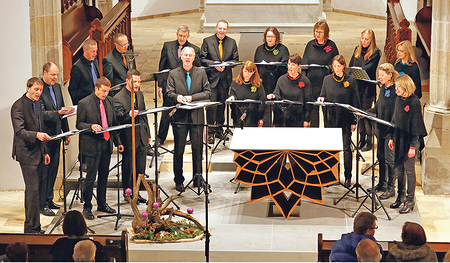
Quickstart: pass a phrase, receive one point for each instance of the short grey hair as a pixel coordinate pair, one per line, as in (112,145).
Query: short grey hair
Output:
(187,48)
(183,28)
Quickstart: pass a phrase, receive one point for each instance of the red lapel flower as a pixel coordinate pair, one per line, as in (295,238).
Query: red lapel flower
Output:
(327,49)
(407,108)
(301,84)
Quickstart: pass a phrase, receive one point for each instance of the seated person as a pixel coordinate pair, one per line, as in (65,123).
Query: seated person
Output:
(84,251)
(15,252)
(344,250)
(368,251)
(414,246)
(75,228)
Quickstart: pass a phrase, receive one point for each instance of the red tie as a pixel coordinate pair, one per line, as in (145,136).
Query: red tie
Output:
(104,120)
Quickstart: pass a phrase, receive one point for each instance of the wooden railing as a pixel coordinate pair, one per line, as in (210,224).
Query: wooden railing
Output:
(118,20)
(423,24)
(397,29)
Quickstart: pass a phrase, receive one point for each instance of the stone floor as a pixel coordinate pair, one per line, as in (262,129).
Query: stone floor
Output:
(234,211)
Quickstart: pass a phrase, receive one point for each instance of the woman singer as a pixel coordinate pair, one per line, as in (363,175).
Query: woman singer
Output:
(247,85)
(409,130)
(296,87)
(406,63)
(341,88)
(320,51)
(366,56)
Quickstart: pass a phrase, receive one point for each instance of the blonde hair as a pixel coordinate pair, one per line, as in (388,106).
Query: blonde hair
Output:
(409,51)
(406,84)
(372,45)
(389,69)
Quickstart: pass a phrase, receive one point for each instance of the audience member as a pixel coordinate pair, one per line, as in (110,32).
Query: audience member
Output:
(368,251)
(75,228)
(15,252)
(344,250)
(84,251)
(413,246)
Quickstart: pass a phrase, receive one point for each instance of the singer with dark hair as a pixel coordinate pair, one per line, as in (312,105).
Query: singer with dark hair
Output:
(409,130)
(366,56)
(293,86)
(96,112)
(29,148)
(248,85)
(54,109)
(341,88)
(117,63)
(321,51)
(187,84)
(170,59)
(124,112)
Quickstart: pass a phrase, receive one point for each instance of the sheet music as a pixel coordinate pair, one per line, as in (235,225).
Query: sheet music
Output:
(224,64)
(155,110)
(196,105)
(243,101)
(115,128)
(71,114)
(283,102)
(264,63)
(65,134)
(314,66)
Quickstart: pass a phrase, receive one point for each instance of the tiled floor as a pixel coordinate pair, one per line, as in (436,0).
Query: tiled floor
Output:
(233,213)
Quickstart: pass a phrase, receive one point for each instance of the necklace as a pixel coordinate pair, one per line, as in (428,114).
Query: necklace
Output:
(336,76)
(247,83)
(317,43)
(294,78)
(270,49)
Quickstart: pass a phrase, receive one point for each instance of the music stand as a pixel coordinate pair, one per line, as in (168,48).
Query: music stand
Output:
(118,215)
(283,105)
(202,185)
(61,137)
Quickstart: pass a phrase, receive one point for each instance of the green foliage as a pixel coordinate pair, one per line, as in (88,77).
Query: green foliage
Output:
(180,230)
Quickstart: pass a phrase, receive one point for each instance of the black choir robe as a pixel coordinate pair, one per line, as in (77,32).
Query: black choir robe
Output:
(413,71)
(270,74)
(254,112)
(370,65)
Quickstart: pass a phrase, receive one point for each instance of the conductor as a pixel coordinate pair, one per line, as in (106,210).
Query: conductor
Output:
(187,84)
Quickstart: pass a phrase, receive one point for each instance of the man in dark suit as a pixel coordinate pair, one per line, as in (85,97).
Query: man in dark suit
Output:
(171,59)
(53,108)
(29,148)
(186,84)
(122,107)
(84,73)
(117,63)
(94,113)
(218,48)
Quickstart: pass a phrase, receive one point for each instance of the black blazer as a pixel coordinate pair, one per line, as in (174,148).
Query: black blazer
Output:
(114,68)
(210,53)
(122,107)
(52,120)
(27,149)
(169,59)
(200,90)
(81,82)
(88,113)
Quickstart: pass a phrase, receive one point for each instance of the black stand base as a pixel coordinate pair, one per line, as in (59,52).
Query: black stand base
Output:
(201,185)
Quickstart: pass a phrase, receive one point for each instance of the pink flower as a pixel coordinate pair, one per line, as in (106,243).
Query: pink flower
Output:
(301,84)
(407,108)
(327,49)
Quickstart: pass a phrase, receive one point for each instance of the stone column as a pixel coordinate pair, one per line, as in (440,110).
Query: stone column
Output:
(327,7)
(436,166)
(201,6)
(46,34)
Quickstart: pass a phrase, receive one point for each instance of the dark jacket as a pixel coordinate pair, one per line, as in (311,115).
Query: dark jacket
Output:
(403,253)
(62,249)
(81,82)
(114,68)
(344,250)
(52,120)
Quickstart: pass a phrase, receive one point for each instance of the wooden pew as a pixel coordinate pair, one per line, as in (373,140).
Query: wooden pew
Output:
(324,248)
(40,245)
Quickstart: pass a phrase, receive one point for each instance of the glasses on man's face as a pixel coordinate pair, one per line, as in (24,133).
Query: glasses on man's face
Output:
(375,227)
(123,46)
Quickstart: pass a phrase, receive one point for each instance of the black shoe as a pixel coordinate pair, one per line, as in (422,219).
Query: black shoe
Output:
(211,139)
(367,147)
(53,205)
(407,207)
(84,167)
(29,231)
(390,192)
(348,182)
(150,151)
(160,142)
(400,200)
(180,188)
(106,209)
(47,211)
(362,142)
(87,213)
(141,200)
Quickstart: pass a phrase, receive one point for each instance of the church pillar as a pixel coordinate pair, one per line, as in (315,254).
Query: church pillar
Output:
(436,166)
(327,7)
(46,34)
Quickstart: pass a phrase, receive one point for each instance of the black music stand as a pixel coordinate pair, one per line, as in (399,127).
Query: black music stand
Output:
(202,185)
(61,137)
(283,105)
(155,156)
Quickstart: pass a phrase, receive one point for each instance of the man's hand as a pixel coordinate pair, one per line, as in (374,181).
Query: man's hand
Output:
(42,136)
(270,96)
(260,123)
(67,140)
(391,145)
(181,99)
(411,152)
(66,110)
(96,127)
(135,113)
(220,69)
(159,92)
(306,124)
(121,148)
(353,128)
(188,98)
(46,159)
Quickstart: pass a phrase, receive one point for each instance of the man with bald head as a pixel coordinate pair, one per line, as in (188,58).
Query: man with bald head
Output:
(368,251)
(54,109)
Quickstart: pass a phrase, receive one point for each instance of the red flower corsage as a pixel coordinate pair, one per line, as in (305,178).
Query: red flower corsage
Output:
(301,84)
(407,108)
(327,49)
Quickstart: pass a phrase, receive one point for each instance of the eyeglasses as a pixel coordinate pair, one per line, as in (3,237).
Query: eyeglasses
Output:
(124,46)
(319,32)
(271,37)
(376,227)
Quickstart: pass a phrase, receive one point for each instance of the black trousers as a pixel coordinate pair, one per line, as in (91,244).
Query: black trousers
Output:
(386,162)
(215,114)
(180,132)
(49,174)
(127,164)
(96,164)
(406,174)
(32,175)
(164,122)
(365,126)
(347,140)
